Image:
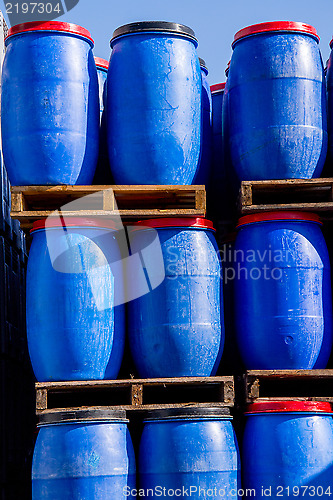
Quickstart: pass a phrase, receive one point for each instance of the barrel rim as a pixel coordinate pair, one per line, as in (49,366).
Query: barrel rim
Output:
(80,415)
(278,216)
(49,26)
(276,26)
(154,26)
(57,222)
(227,69)
(188,412)
(288,406)
(217,87)
(101,63)
(203,65)
(173,222)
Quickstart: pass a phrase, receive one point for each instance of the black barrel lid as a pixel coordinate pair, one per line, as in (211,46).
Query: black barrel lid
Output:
(87,414)
(163,26)
(188,412)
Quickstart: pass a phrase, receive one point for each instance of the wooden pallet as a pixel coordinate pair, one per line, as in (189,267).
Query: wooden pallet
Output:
(313,195)
(136,394)
(30,203)
(313,385)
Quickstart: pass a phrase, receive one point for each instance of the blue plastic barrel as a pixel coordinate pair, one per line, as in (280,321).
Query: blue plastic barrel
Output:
(103,173)
(176,329)
(49,110)
(204,168)
(217,92)
(329,85)
(217,188)
(154,104)
(283,296)
(277,102)
(192,452)
(74,331)
(83,454)
(288,450)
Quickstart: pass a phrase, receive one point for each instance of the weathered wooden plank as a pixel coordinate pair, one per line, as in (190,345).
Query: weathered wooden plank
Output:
(136,394)
(147,407)
(313,374)
(307,207)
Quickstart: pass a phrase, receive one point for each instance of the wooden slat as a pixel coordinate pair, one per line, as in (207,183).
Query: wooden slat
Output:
(41,399)
(282,374)
(200,201)
(246,194)
(97,384)
(303,207)
(136,394)
(143,408)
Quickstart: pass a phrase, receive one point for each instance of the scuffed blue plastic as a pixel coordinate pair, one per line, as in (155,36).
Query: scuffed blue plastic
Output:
(176,330)
(84,460)
(277,107)
(185,453)
(71,335)
(284,321)
(50,111)
(154,109)
(292,450)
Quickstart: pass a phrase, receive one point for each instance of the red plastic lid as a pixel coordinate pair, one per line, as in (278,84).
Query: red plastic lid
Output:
(288,406)
(271,216)
(198,222)
(217,87)
(276,26)
(73,221)
(49,26)
(101,63)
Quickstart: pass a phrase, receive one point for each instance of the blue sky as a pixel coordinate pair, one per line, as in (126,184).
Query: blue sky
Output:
(214,21)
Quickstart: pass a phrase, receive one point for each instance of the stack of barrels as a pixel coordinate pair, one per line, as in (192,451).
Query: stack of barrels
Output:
(148,117)
(278,276)
(143,119)
(274,119)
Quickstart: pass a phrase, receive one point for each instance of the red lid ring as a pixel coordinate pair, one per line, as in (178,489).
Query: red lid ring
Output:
(278,216)
(276,26)
(218,87)
(101,63)
(288,406)
(190,222)
(63,221)
(49,26)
